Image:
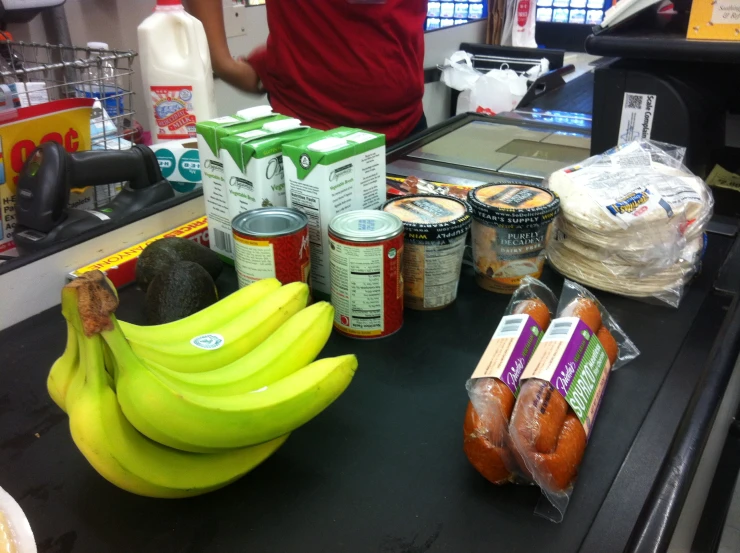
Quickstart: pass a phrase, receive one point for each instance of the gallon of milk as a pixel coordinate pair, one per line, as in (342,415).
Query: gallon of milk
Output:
(176,71)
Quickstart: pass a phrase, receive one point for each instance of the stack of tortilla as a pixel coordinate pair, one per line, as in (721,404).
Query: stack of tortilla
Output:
(632,222)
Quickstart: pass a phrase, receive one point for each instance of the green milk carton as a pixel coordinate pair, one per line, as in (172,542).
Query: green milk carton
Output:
(215,193)
(253,164)
(330,173)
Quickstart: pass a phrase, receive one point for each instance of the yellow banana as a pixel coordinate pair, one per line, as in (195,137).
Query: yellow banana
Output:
(290,348)
(63,370)
(193,353)
(171,416)
(131,461)
(203,321)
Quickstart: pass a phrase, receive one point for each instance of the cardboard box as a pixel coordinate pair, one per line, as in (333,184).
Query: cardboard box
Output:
(120,267)
(330,173)
(253,165)
(714,20)
(215,193)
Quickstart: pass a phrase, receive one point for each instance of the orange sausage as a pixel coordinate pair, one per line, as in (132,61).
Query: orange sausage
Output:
(536,309)
(486,436)
(609,344)
(488,459)
(586,310)
(561,466)
(549,437)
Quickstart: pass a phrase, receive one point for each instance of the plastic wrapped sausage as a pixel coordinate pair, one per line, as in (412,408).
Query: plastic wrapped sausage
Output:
(561,390)
(494,383)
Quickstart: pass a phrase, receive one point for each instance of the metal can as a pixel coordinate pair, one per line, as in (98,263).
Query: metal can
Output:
(271,242)
(366,252)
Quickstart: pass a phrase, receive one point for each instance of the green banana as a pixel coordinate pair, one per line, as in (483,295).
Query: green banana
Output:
(171,416)
(192,353)
(203,321)
(63,370)
(291,347)
(131,461)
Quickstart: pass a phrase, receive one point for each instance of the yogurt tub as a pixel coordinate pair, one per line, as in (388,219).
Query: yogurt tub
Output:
(511,227)
(435,229)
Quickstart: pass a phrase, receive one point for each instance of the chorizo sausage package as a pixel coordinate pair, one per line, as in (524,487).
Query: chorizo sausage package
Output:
(493,386)
(561,390)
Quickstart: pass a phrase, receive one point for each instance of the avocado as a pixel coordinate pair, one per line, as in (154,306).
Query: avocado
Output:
(162,254)
(184,289)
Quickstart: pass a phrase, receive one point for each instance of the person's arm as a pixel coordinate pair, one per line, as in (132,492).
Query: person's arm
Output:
(238,73)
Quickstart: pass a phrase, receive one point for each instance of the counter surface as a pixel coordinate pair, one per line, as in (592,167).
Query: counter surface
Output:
(381,470)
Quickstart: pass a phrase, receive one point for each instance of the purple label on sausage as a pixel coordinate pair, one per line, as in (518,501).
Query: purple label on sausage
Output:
(573,360)
(509,350)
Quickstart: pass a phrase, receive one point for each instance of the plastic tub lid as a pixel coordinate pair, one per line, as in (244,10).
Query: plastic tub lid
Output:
(97,45)
(514,204)
(429,217)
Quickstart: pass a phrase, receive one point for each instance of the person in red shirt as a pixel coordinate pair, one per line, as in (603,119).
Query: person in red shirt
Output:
(329,63)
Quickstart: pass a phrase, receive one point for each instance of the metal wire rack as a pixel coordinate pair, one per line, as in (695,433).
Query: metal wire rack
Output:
(37,73)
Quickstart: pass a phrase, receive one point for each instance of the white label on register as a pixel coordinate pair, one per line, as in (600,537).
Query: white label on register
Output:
(638,112)
(357,288)
(726,11)
(255,260)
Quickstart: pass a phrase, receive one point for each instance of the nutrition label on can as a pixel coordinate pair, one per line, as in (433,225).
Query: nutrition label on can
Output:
(431,273)
(357,288)
(255,260)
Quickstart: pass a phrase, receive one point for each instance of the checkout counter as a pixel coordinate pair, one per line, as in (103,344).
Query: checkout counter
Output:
(383,468)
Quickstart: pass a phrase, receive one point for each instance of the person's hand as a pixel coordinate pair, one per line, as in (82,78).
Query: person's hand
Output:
(239,73)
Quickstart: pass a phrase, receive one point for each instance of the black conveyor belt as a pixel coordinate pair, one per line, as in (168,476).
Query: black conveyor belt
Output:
(382,470)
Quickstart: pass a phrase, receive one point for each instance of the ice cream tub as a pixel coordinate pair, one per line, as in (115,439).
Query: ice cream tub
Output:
(435,229)
(511,227)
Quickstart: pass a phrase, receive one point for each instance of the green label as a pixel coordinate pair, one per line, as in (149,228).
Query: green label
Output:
(167,163)
(582,391)
(189,166)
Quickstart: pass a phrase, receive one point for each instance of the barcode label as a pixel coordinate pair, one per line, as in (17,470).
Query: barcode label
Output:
(560,329)
(510,326)
(223,241)
(633,101)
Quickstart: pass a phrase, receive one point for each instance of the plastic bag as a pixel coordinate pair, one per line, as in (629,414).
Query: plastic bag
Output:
(519,26)
(561,390)
(494,92)
(632,221)
(493,386)
(15,531)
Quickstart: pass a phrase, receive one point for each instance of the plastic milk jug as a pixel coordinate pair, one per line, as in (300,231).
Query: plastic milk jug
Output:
(176,70)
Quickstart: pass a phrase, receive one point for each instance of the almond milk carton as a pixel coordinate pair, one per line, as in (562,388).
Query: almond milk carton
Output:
(253,164)
(215,189)
(330,173)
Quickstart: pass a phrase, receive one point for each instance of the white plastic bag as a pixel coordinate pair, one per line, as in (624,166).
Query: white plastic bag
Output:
(458,71)
(519,25)
(494,92)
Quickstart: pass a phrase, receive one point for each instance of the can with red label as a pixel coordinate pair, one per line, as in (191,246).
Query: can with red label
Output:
(271,242)
(366,253)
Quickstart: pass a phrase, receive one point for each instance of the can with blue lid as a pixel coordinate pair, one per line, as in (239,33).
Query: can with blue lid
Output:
(366,253)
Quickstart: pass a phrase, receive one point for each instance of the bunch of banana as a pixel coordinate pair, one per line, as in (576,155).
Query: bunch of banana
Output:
(151,420)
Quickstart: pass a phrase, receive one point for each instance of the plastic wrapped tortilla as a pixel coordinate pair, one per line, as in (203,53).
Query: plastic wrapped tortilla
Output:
(632,221)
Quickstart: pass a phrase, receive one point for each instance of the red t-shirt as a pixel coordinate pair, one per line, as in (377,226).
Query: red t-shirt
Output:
(342,63)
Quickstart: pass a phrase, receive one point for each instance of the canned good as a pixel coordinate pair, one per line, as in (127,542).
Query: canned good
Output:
(511,227)
(434,242)
(271,242)
(365,254)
